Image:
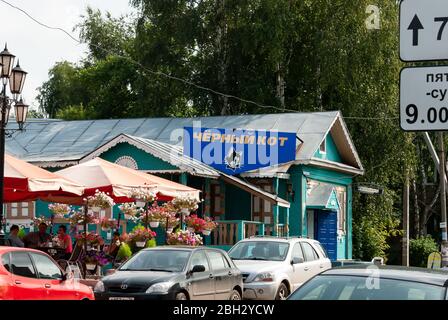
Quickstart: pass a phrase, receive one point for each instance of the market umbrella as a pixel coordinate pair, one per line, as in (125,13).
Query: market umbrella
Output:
(119,181)
(26,182)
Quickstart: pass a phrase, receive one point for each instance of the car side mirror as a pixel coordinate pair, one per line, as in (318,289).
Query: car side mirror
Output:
(198,268)
(297,260)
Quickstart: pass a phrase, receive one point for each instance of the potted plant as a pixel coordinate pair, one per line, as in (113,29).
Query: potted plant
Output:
(143,196)
(184,238)
(90,239)
(108,224)
(94,258)
(194,223)
(100,200)
(38,220)
(156,215)
(209,226)
(185,204)
(129,210)
(139,236)
(79,217)
(59,210)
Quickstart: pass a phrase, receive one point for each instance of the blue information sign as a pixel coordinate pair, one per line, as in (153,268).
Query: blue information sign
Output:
(234,151)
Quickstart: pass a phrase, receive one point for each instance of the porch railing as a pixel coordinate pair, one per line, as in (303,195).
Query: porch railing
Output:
(230,232)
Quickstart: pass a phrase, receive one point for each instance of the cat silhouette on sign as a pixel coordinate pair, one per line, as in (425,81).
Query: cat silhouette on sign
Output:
(234,159)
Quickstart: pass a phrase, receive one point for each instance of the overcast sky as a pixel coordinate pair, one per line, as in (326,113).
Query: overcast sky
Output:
(39,48)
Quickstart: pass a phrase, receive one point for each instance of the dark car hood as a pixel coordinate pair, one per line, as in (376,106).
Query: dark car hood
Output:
(140,278)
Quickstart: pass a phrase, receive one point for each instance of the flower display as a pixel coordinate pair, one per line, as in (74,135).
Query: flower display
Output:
(130,210)
(157,213)
(195,223)
(95,257)
(143,194)
(107,224)
(140,234)
(92,239)
(184,238)
(100,200)
(59,209)
(184,204)
(210,224)
(38,220)
(78,217)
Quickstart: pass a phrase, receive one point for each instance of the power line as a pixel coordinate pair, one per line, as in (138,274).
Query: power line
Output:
(187,82)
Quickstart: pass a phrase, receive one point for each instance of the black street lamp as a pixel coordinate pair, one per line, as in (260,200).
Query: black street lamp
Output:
(16,78)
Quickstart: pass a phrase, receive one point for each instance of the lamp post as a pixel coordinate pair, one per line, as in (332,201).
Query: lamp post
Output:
(16,79)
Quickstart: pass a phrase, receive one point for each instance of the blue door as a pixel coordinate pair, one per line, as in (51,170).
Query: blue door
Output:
(326,231)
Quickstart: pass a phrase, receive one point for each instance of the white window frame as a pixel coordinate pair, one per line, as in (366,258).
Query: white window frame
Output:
(324,144)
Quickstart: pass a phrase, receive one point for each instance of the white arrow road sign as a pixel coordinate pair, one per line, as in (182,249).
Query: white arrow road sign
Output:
(423,30)
(424,99)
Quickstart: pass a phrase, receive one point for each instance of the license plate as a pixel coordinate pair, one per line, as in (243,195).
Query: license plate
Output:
(121,298)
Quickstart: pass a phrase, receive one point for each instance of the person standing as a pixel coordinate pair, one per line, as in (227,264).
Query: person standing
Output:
(13,237)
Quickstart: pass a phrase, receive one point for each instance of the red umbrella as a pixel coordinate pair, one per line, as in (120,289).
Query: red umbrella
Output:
(25,182)
(119,181)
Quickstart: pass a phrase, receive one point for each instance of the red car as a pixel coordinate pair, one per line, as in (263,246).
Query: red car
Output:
(27,274)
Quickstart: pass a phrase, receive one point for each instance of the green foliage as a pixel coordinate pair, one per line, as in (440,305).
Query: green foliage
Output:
(21,234)
(151,243)
(124,252)
(420,249)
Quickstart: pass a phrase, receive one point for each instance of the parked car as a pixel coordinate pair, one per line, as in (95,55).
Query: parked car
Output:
(174,273)
(375,283)
(27,274)
(274,267)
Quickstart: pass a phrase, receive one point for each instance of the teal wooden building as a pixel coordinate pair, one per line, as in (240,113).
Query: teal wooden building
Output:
(310,196)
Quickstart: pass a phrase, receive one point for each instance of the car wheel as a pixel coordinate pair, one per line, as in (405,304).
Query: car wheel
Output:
(282,292)
(181,296)
(235,295)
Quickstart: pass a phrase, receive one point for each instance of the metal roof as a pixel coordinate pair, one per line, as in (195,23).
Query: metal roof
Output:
(174,155)
(320,195)
(57,141)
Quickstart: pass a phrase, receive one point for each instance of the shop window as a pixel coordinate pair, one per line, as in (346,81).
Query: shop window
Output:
(20,210)
(262,209)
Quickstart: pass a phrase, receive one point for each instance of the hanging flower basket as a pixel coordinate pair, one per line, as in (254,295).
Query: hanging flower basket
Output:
(90,266)
(154,224)
(169,230)
(59,210)
(185,204)
(105,229)
(108,224)
(184,238)
(142,196)
(140,244)
(79,218)
(129,210)
(140,203)
(100,200)
(206,232)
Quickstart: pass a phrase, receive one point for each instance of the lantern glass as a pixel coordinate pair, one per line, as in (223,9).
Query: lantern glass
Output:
(17,80)
(7,61)
(21,110)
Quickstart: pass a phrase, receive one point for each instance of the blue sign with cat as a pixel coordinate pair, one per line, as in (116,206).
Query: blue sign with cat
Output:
(234,151)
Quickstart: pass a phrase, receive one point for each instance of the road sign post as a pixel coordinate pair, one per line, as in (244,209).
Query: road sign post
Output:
(423,30)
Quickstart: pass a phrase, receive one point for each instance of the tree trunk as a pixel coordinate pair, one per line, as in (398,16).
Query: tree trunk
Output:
(280,85)
(416,208)
(221,50)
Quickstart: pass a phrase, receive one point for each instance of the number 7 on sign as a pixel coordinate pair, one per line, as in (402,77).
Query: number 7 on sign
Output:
(444,20)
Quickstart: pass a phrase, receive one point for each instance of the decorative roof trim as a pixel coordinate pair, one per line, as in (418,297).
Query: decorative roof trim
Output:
(54,164)
(332,165)
(123,138)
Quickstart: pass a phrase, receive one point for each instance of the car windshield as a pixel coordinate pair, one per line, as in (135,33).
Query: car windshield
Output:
(157,260)
(260,250)
(366,288)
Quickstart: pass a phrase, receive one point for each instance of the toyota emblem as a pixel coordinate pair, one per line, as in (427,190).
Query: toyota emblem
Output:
(124,286)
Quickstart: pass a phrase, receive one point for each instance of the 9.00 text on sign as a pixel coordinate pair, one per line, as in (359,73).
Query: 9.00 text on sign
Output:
(424,99)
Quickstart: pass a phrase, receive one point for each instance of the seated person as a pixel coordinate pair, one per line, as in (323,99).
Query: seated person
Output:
(14,240)
(114,245)
(35,240)
(65,241)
